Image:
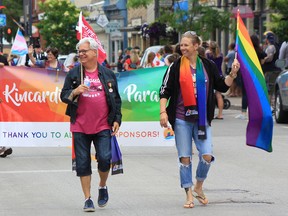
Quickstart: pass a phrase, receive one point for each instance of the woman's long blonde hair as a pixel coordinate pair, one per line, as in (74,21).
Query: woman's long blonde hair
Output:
(134,56)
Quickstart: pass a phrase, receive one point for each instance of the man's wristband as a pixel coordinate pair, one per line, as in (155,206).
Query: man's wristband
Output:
(162,112)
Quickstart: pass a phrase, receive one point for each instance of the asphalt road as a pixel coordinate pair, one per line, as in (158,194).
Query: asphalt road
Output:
(243,181)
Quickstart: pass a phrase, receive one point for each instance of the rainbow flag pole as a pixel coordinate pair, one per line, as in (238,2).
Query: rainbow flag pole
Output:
(259,130)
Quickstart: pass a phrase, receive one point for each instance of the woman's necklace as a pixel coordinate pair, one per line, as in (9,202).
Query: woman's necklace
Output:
(193,66)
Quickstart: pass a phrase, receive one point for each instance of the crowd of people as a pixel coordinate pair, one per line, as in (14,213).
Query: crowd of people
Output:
(193,81)
(36,57)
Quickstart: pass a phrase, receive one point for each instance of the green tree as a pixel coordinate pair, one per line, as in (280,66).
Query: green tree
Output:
(202,19)
(138,3)
(279,18)
(14,9)
(58,24)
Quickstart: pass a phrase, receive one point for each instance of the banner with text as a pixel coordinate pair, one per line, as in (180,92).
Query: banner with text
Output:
(32,114)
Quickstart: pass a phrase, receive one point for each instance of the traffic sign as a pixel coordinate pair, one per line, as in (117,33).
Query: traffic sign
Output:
(2,20)
(102,20)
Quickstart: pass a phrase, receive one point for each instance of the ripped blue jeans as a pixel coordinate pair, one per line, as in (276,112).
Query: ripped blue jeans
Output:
(185,133)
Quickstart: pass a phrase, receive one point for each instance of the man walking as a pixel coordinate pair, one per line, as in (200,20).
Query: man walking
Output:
(95,114)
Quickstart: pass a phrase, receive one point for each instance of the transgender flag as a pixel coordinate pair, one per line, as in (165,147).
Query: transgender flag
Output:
(19,46)
(260,126)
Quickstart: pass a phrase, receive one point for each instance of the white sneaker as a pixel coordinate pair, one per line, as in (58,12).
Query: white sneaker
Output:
(241,116)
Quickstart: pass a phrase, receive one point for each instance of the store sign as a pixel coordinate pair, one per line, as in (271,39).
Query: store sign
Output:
(112,27)
(2,20)
(136,22)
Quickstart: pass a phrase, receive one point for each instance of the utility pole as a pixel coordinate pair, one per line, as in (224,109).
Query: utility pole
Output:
(157,9)
(28,19)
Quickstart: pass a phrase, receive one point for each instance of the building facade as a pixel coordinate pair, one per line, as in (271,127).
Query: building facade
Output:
(124,25)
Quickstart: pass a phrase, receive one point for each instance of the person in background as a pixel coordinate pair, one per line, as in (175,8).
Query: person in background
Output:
(205,44)
(119,61)
(213,53)
(126,56)
(13,60)
(269,68)
(283,52)
(137,49)
(229,58)
(177,49)
(106,64)
(133,62)
(271,52)
(3,60)
(150,58)
(167,50)
(161,51)
(5,151)
(51,63)
(191,120)
(169,59)
(95,116)
(202,51)
(38,54)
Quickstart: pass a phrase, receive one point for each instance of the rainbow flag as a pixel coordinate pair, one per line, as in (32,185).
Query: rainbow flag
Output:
(158,60)
(260,126)
(19,46)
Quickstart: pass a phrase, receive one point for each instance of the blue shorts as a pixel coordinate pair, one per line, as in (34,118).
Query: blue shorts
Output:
(82,146)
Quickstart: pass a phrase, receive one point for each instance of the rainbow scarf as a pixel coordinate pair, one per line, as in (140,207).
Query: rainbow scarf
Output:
(260,126)
(195,107)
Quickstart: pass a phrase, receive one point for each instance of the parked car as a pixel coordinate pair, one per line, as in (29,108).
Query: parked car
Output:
(281,97)
(154,49)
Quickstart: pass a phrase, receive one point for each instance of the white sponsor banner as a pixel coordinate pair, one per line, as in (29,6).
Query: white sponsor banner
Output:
(52,134)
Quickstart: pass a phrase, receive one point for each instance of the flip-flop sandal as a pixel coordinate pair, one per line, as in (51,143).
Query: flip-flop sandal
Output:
(219,118)
(201,198)
(189,204)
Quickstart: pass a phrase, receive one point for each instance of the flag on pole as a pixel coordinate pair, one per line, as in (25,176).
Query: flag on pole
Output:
(85,30)
(259,130)
(18,24)
(158,60)
(19,46)
(79,27)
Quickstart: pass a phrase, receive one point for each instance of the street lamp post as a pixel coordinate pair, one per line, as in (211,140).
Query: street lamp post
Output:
(1,32)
